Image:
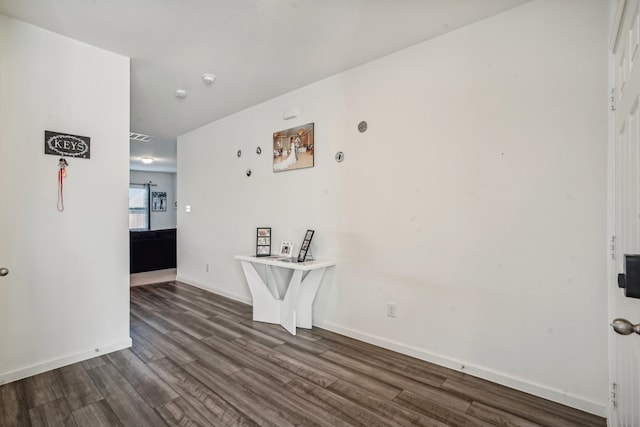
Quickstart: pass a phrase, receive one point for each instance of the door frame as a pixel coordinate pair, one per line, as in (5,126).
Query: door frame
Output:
(618,10)
(614,36)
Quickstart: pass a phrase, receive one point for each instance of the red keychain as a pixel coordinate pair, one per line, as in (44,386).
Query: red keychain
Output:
(62,174)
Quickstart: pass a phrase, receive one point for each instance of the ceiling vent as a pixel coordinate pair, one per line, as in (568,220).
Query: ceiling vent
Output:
(139,137)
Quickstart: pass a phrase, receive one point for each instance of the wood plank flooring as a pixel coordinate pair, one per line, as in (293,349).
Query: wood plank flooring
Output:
(199,360)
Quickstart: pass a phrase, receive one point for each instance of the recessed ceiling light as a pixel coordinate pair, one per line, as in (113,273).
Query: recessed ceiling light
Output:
(181,93)
(208,78)
(147,160)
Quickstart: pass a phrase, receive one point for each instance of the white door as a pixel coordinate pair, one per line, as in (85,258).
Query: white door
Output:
(6,265)
(12,222)
(624,209)
(4,238)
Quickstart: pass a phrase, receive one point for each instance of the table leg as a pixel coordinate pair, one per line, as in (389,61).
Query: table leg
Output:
(272,283)
(307,294)
(295,308)
(288,313)
(266,308)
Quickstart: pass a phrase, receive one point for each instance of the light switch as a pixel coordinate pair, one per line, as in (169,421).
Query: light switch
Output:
(187,208)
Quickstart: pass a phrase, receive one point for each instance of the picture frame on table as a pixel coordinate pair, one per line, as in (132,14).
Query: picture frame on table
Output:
(286,249)
(263,241)
(306,245)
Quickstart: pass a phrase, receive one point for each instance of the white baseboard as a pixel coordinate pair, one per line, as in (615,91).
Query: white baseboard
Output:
(521,384)
(199,285)
(48,365)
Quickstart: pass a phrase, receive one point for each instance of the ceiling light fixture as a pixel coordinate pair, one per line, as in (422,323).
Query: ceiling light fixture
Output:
(181,93)
(208,78)
(147,160)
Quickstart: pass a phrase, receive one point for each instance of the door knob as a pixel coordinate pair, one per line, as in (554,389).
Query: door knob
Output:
(624,327)
(4,271)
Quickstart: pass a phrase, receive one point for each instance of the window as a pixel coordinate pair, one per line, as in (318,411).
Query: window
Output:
(138,207)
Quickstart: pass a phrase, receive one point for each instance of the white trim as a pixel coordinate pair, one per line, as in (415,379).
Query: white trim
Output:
(521,384)
(204,287)
(617,25)
(610,283)
(28,371)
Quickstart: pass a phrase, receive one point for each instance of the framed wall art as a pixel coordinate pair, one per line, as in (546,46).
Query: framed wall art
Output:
(159,201)
(293,148)
(263,241)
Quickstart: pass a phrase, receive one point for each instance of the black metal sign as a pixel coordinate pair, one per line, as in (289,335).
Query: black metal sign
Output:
(64,144)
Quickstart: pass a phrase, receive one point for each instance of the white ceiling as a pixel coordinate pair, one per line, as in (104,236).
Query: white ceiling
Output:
(258,49)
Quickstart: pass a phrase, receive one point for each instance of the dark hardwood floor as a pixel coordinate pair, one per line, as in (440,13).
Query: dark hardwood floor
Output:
(199,360)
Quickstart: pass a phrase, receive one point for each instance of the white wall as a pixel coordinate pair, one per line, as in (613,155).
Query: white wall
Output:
(475,201)
(165,182)
(67,295)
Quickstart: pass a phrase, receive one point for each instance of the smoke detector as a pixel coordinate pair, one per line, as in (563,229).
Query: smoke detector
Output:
(181,93)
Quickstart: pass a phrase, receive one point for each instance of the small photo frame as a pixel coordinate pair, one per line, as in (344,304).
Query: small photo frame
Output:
(263,241)
(306,243)
(286,249)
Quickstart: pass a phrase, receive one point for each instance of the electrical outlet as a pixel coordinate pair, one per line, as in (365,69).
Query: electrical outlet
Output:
(391,310)
(206,268)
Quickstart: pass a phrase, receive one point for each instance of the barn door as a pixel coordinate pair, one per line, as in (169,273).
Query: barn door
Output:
(624,209)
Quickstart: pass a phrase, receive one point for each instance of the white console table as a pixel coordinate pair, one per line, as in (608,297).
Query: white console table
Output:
(294,308)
